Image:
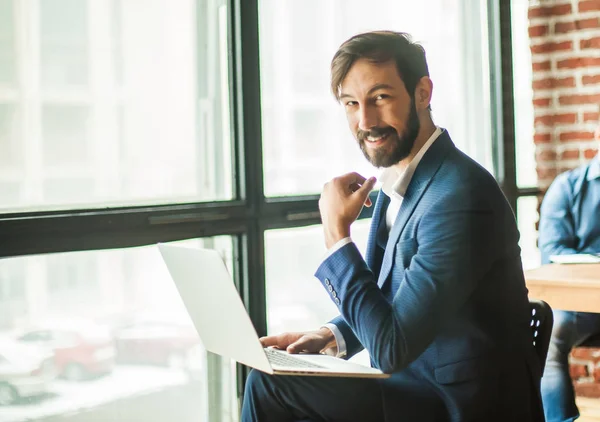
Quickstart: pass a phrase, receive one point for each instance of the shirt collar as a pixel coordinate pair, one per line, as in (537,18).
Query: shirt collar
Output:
(594,170)
(395,181)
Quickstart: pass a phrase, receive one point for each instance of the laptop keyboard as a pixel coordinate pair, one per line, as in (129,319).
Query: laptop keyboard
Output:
(277,357)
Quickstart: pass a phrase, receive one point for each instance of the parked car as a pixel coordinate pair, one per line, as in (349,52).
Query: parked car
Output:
(158,343)
(25,371)
(80,350)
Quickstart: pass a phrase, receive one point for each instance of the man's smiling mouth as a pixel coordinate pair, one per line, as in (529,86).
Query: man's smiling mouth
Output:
(376,140)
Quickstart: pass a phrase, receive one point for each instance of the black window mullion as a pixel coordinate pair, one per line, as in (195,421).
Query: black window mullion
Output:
(245,62)
(503,106)
(36,233)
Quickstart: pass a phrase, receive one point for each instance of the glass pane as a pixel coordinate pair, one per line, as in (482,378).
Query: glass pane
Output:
(305,136)
(104,336)
(66,141)
(295,299)
(64,42)
(129,98)
(11,156)
(523,94)
(527,217)
(8,58)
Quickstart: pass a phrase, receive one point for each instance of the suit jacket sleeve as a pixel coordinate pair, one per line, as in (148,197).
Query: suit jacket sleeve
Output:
(453,249)
(353,346)
(557,229)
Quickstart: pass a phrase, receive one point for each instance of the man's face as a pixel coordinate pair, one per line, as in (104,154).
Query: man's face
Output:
(380,112)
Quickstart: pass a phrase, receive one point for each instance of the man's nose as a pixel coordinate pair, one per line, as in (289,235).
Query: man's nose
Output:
(368,119)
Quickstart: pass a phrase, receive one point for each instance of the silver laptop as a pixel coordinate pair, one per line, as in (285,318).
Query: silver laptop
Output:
(213,303)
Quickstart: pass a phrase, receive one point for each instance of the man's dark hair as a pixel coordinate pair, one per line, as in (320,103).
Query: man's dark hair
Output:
(381,47)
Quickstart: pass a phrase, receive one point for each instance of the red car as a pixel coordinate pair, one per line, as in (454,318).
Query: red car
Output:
(158,343)
(80,351)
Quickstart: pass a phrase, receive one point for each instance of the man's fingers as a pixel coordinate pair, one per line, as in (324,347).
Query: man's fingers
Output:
(350,180)
(281,341)
(368,202)
(269,341)
(366,188)
(355,177)
(304,344)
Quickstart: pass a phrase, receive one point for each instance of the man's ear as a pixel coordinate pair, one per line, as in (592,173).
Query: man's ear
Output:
(423,92)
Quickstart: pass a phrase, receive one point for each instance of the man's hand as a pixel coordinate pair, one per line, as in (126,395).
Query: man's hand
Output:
(340,203)
(320,341)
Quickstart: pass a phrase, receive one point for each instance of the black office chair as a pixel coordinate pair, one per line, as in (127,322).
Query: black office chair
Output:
(541,328)
(592,341)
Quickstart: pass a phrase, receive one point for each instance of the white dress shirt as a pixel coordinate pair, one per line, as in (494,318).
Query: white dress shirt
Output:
(394,182)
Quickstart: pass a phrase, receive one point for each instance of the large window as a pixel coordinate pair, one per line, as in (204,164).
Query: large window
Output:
(295,298)
(108,104)
(525,147)
(305,135)
(102,336)
(113,102)
(525,161)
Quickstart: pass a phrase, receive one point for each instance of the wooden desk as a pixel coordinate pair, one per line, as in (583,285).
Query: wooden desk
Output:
(571,287)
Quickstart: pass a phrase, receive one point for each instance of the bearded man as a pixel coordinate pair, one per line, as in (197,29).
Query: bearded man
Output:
(439,301)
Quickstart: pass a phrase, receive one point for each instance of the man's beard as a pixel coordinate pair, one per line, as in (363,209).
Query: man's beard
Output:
(401,144)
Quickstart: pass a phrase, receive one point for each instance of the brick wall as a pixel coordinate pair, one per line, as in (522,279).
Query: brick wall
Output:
(565,53)
(585,371)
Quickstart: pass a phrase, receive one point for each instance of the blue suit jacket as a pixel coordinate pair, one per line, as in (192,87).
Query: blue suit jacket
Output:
(442,303)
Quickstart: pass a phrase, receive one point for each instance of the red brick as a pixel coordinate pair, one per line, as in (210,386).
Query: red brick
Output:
(542,102)
(590,153)
(576,62)
(542,138)
(545,155)
(576,136)
(537,66)
(545,173)
(578,370)
(590,43)
(545,11)
(591,116)
(588,23)
(589,5)
(570,154)
(554,119)
(568,26)
(550,83)
(564,27)
(584,353)
(579,99)
(590,79)
(551,47)
(596,374)
(538,30)
(587,389)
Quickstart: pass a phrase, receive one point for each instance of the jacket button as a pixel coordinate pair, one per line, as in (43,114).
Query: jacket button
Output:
(327,282)
(337,300)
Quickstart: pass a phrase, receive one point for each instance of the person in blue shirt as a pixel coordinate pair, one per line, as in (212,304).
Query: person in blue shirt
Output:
(569,224)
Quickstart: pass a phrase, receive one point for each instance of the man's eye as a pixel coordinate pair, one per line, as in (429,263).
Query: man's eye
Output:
(381,97)
(350,103)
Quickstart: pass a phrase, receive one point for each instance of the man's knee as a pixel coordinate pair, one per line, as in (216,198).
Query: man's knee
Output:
(562,335)
(257,381)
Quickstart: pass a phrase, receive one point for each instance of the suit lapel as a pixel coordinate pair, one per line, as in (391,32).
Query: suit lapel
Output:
(421,179)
